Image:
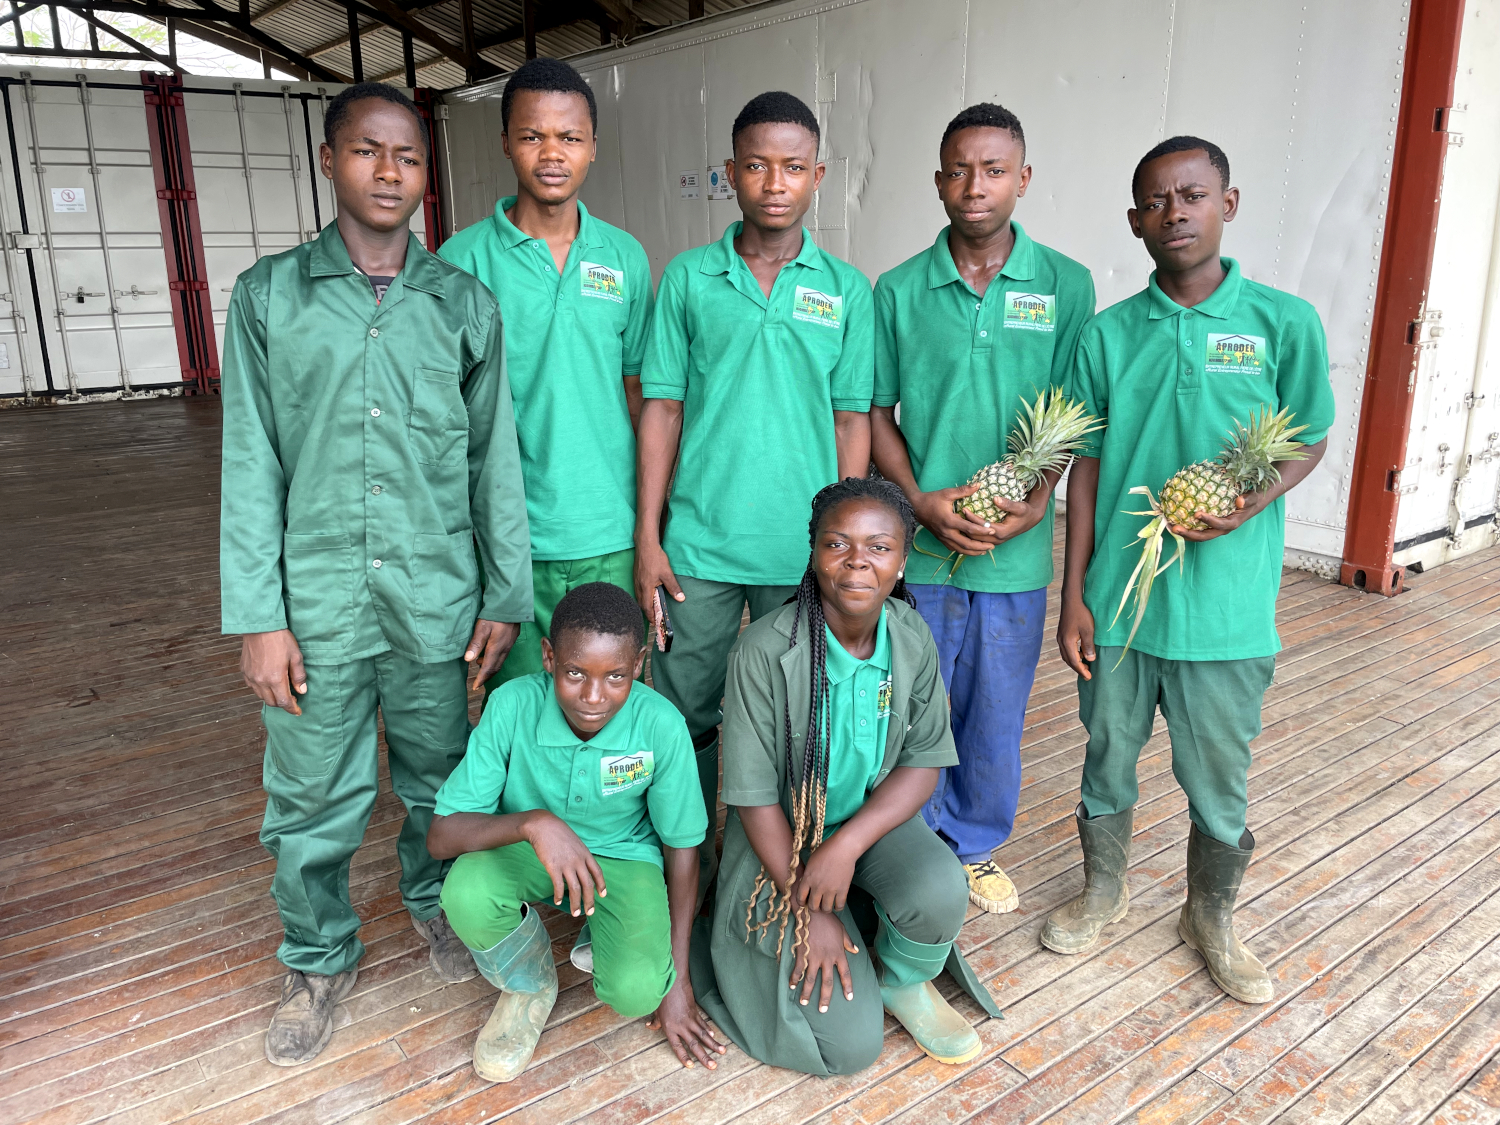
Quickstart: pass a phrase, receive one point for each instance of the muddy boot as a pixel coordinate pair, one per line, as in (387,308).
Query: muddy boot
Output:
(906,989)
(521,967)
(1214,871)
(1075,928)
(303,1022)
(449,957)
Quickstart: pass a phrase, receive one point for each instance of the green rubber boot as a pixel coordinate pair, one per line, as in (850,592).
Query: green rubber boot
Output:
(1075,928)
(1214,871)
(906,989)
(520,965)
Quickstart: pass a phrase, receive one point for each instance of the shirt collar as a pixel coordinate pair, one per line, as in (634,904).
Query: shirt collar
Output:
(721,256)
(552,728)
(1020,266)
(512,236)
(1220,303)
(330,258)
(841,665)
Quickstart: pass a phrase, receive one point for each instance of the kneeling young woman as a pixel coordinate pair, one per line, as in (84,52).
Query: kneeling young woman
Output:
(835,727)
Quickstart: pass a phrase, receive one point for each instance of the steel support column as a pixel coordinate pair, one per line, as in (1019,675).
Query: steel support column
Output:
(182,236)
(1401,294)
(432,201)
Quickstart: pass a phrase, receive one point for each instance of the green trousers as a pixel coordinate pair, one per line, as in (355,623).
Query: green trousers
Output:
(1212,709)
(550,580)
(691,676)
(631,927)
(320,779)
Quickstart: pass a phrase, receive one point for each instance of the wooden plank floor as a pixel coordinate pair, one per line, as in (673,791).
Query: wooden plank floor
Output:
(137,937)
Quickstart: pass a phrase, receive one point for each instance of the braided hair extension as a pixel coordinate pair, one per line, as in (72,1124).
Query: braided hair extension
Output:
(810,781)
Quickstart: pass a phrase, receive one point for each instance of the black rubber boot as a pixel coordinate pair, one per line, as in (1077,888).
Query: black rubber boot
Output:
(303,1022)
(1214,871)
(448,955)
(1075,928)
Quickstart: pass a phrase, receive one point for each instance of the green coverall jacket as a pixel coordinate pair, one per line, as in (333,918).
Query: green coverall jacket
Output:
(366,448)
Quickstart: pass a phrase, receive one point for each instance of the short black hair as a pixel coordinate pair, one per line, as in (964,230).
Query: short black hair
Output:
(546,76)
(338,109)
(775,107)
(598,607)
(1214,153)
(986,115)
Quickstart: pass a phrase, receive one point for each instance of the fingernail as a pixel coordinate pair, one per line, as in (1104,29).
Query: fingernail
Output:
(804,1003)
(823,1007)
(848,996)
(591,913)
(603,894)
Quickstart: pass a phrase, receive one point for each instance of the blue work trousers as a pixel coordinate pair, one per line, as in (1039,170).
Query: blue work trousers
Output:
(988,645)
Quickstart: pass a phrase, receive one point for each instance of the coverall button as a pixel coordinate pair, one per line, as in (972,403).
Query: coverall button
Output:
(984,333)
(376,490)
(578,800)
(376,564)
(374,332)
(375,413)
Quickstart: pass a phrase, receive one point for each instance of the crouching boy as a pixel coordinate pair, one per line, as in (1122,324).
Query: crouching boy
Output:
(576,784)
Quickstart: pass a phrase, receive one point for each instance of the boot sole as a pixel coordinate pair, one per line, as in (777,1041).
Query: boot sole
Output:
(953,1060)
(276,1060)
(994,906)
(1119,916)
(1236,993)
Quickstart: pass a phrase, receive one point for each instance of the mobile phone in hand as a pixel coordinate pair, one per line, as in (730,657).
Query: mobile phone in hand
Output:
(663,623)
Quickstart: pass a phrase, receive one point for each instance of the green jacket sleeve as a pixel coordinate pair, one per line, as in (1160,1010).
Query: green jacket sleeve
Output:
(752,744)
(252,507)
(638,315)
(929,732)
(497,496)
(665,371)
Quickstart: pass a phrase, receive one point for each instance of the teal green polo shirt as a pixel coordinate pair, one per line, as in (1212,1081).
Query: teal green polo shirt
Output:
(627,791)
(962,366)
(573,337)
(759,379)
(1170,383)
(859,710)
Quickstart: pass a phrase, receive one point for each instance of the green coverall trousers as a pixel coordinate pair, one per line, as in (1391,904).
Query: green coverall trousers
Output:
(692,675)
(320,777)
(1212,708)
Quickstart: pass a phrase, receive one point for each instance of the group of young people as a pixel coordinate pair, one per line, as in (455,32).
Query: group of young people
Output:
(514,464)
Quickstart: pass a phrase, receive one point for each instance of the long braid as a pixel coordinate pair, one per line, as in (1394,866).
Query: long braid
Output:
(809,778)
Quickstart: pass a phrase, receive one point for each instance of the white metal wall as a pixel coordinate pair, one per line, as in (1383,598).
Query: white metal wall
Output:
(1302,96)
(78,158)
(1452,474)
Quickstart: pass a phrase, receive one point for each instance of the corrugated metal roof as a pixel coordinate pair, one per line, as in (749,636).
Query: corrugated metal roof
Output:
(319,30)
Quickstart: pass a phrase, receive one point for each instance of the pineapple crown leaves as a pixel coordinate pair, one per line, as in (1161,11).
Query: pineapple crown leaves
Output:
(1252,451)
(1046,434)
(1147,568)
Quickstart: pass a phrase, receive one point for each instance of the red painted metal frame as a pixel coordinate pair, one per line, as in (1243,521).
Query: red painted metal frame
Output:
(182,236)
(432,202)
(1405,269)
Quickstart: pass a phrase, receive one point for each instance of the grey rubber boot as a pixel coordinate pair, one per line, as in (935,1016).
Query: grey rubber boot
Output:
(447,954)
(1214,871)
(521,967)
(1075,928)
(303,1022)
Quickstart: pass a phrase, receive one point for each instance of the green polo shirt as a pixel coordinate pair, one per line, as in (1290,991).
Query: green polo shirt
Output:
(367,447)
(627,791)
(574,337)
(961,366)
(759,379)
(859,709)
(1170,383)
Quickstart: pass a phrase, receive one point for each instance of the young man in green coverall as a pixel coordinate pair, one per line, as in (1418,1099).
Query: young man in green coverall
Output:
(578,782)
(759,373)
(577,295)
(368,442)
(956,345)
(1205,651)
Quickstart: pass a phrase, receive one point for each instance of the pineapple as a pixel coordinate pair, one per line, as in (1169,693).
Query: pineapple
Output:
(1044,438)
(1247,463)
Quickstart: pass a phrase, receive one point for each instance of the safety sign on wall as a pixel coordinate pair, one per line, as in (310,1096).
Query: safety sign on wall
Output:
(688,184)
(69,199)
(718,184)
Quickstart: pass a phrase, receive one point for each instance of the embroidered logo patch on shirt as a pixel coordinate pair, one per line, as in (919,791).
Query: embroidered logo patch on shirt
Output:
(1036,311)
(816,307)
(603,281)
(625,771)
(1228,353)
(883,699)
